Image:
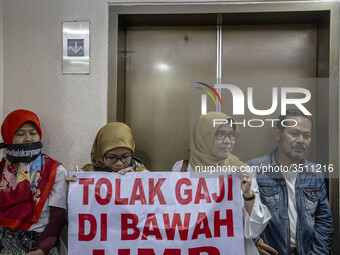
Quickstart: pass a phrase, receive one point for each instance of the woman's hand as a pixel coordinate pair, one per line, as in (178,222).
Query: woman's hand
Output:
(70,179)
(122,171)
(36,252)
(246,180)
(125,170)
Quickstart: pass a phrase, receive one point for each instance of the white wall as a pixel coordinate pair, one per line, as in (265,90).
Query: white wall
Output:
(71,108)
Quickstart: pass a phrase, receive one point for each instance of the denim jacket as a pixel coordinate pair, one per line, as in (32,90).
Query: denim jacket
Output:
(314,228)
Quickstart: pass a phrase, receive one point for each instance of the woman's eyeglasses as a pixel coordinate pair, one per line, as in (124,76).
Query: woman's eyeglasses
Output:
(114,159)
(221,135)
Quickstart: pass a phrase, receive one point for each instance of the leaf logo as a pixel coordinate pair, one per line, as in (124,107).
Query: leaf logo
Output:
(209,93)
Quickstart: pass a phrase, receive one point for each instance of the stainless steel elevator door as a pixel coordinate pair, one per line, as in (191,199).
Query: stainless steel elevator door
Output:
(263,57)
(158,77)
(166,60)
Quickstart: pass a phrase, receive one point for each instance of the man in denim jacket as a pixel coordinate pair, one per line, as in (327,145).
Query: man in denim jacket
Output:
(294,191)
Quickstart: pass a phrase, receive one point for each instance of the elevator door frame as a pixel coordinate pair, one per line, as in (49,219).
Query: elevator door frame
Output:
(328,62)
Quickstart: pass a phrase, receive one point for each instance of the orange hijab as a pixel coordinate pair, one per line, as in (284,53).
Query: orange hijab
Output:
(14,121)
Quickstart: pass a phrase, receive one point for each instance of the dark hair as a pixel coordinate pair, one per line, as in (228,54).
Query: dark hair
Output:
(292,112)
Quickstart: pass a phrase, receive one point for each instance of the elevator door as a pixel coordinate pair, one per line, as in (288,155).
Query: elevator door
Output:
(165,61)
(264,57)
(159,71)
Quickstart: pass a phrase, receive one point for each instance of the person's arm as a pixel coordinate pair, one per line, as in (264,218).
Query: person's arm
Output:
(323,226)
(256,219)
(264,249)
(51,233)
(57,204)
(246,181)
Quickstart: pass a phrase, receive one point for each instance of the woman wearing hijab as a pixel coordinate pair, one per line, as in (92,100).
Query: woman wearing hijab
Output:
(113,149)
(32,190)
(211,146)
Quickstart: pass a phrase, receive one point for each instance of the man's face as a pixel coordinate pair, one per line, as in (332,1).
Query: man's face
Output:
(294,141)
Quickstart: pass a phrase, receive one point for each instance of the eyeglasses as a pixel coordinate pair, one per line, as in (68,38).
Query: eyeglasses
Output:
(114,159)
(221,135)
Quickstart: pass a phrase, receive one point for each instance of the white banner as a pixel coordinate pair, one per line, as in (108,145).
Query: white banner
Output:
(154,214)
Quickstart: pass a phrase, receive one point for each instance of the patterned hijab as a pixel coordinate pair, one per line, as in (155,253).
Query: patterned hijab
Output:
(111,136)
(202,140)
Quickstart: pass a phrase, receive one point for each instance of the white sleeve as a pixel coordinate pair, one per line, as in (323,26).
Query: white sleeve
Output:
(177,166)
(58,194)
(260,215)
(57,198)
